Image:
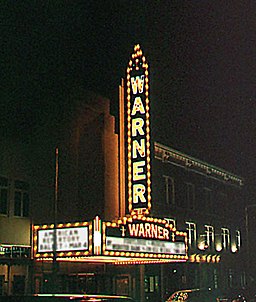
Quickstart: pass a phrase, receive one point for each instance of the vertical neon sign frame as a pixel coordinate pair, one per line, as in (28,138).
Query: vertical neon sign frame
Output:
(138,68)
(97,235)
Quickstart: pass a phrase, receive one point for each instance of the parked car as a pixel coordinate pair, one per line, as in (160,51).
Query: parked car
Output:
(197,295)
(66,297)
(241,294)
(207,295)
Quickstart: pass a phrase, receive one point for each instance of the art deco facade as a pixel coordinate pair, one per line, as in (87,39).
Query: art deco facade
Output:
(88,174)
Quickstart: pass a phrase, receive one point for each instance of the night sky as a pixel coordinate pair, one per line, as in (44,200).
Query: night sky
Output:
(202,61)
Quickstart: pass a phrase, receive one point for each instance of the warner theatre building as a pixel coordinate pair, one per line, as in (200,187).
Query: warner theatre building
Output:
(106,239)
(122,225)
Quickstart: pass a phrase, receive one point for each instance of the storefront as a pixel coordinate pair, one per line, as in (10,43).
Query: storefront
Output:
(15,265)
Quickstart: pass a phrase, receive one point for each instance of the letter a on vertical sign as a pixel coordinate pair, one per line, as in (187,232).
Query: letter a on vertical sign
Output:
(138,134)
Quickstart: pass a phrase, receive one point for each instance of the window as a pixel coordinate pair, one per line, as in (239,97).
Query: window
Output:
(225,235)
(207,198)
(17,204)
(190,195)
(169,190)
(209,235)
(21,199)
(25,204)
(151,284)
(3,195)
(222,202)
(1,285)
(191,229)
(238,240)
(230,278)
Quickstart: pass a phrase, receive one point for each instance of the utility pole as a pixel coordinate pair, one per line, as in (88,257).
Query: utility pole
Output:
(55,266)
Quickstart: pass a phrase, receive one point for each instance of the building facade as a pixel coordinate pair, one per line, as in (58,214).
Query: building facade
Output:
(105,173)
(208,203)
(15,219)
(131,183)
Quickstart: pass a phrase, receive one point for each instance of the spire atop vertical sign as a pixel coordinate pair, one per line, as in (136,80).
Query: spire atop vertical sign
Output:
(138,134)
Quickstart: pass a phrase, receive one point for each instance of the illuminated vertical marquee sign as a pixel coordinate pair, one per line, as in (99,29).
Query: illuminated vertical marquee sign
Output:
(138,134)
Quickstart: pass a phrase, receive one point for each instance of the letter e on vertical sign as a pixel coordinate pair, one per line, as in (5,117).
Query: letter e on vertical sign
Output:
(138,134)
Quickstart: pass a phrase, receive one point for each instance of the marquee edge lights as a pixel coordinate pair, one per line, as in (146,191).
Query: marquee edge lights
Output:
(138,134)
(112,260)
(127,219)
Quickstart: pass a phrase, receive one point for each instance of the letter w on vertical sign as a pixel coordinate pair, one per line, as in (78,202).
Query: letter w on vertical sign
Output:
(137,84)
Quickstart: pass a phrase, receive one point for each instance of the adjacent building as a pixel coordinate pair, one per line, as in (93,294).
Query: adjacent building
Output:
(208,203)
(15,220)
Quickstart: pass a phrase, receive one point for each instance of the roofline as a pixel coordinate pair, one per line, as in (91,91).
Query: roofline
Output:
(170,155)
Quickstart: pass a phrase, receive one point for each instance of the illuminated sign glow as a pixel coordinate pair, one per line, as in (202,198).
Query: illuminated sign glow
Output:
(68,239)
(73,239)
(144,237)
(145,246)
(138,134)
(133,239)
(97,236)
(148,230)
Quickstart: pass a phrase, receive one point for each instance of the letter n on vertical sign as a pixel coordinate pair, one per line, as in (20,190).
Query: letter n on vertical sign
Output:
(138,134)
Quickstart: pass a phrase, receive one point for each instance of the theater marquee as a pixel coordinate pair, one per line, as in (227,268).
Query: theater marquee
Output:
(138,134)
(149,238)
(130,240)
(72,239)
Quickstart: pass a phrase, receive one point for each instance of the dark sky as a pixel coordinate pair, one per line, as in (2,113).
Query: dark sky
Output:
(202,60)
